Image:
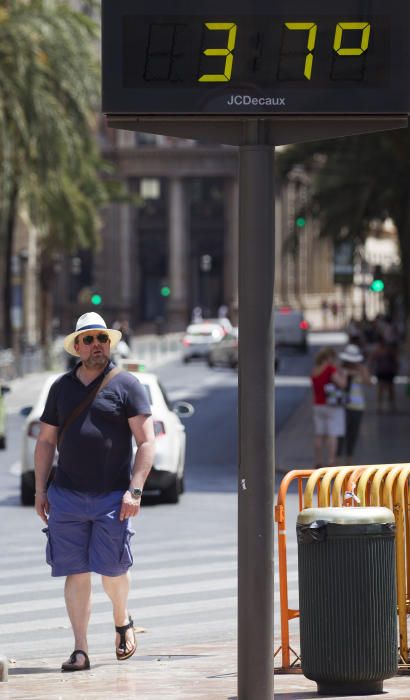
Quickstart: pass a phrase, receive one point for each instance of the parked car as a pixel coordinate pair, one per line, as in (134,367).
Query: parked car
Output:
(3,427)
(291,328)
(167,474)
(226,351)
(199,338)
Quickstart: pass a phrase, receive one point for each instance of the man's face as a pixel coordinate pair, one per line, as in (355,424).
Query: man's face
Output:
(93,348)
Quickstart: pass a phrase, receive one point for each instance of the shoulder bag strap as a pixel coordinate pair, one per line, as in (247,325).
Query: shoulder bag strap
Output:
(86,402)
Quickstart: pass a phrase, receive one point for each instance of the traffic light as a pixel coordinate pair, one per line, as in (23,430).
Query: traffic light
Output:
(96,299)
(300,222)
(377,284)
(165,291)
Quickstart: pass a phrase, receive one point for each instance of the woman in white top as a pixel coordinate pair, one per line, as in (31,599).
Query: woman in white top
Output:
(357,375)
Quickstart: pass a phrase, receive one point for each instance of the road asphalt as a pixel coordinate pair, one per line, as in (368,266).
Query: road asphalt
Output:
(209,671)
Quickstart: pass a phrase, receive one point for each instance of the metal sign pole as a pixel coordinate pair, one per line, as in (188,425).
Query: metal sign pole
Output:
(256,418)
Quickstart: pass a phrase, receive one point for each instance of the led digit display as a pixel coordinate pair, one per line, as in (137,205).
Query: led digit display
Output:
(276,56)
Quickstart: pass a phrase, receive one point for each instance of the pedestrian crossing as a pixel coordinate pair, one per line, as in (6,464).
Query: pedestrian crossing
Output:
(184,590)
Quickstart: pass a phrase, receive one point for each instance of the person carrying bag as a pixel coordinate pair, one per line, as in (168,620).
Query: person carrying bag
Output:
(328,383)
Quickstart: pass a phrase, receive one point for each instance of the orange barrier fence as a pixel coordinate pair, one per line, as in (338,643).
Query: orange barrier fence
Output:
(286,614)
(366,485)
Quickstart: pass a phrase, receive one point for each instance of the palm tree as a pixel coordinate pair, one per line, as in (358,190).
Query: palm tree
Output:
(49,83)
(358,179)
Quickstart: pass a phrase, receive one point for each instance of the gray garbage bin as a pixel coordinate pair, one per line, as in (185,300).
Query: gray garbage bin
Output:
(347,598)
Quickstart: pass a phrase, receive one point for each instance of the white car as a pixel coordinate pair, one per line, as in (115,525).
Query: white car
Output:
(199,338)
(167,474)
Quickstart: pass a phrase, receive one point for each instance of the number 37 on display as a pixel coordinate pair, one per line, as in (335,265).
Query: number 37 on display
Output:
(363,36)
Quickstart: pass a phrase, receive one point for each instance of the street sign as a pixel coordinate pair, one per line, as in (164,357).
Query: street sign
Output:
(236,57)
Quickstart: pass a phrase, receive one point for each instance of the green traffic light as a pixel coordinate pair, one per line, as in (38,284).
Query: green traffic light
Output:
(165,291)
(377,286)
(300,222)
(96,299)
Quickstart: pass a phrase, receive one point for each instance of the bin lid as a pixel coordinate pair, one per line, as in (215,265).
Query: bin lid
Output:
(346,515)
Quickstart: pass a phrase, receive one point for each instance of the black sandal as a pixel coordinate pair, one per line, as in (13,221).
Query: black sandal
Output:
(123,642)
(70,665)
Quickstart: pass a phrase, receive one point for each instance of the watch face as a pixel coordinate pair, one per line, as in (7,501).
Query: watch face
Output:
(136,493)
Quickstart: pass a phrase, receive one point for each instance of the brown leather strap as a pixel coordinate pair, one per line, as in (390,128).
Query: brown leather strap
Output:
(86,402)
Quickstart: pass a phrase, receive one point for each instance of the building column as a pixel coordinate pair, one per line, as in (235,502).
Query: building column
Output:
(231,248)
(177,312)
(125,254)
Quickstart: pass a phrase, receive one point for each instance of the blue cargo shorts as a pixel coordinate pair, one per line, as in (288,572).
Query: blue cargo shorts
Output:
(85,533)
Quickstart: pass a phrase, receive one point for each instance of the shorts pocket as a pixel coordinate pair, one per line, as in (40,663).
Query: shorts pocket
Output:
(49,550)
(126,558)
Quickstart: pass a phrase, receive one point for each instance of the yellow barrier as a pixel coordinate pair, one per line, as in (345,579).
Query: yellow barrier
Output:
(365,485)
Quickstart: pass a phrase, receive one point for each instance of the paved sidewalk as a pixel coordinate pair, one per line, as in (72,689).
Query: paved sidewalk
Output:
(194,672)
(384,437)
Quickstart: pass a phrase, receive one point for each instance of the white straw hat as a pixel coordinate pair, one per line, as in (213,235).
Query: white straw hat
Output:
(90,322)
(351,353)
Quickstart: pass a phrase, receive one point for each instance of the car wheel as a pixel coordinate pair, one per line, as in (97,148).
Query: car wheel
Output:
(233,363)
(171,494)
(181,485)
(27,489)
(2,443)
(186,359)
(211,363)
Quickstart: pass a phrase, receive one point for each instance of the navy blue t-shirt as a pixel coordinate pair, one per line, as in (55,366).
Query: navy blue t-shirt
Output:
(96,450)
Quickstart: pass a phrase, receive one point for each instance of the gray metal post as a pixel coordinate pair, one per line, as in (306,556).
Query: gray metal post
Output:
(256,421)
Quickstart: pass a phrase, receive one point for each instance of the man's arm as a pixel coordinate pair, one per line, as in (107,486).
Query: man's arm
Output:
(43,461)
(142,428)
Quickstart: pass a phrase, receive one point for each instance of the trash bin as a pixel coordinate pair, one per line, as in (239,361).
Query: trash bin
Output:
(347,598)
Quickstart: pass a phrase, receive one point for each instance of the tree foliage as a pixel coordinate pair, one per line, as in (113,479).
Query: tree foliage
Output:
(49,93)
(355,180)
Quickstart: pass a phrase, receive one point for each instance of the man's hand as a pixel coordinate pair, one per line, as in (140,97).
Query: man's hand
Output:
(42,506)
(130,506)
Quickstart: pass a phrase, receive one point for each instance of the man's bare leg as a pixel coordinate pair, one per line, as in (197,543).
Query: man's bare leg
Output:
(117,588)
(77,593)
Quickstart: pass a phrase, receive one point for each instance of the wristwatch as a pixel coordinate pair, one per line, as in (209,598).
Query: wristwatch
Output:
(135,493)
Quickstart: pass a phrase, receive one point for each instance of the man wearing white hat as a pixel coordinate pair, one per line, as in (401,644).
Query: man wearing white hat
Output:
(91,414)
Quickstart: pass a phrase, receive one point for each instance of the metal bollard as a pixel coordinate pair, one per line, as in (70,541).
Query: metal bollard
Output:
(4,669)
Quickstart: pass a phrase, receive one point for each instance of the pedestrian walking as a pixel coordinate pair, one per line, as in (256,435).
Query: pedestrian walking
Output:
(384,365)
(197,315)
(334,308)
(223,311)
(328,383)
(91,414)
(325,307)
(357,376)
